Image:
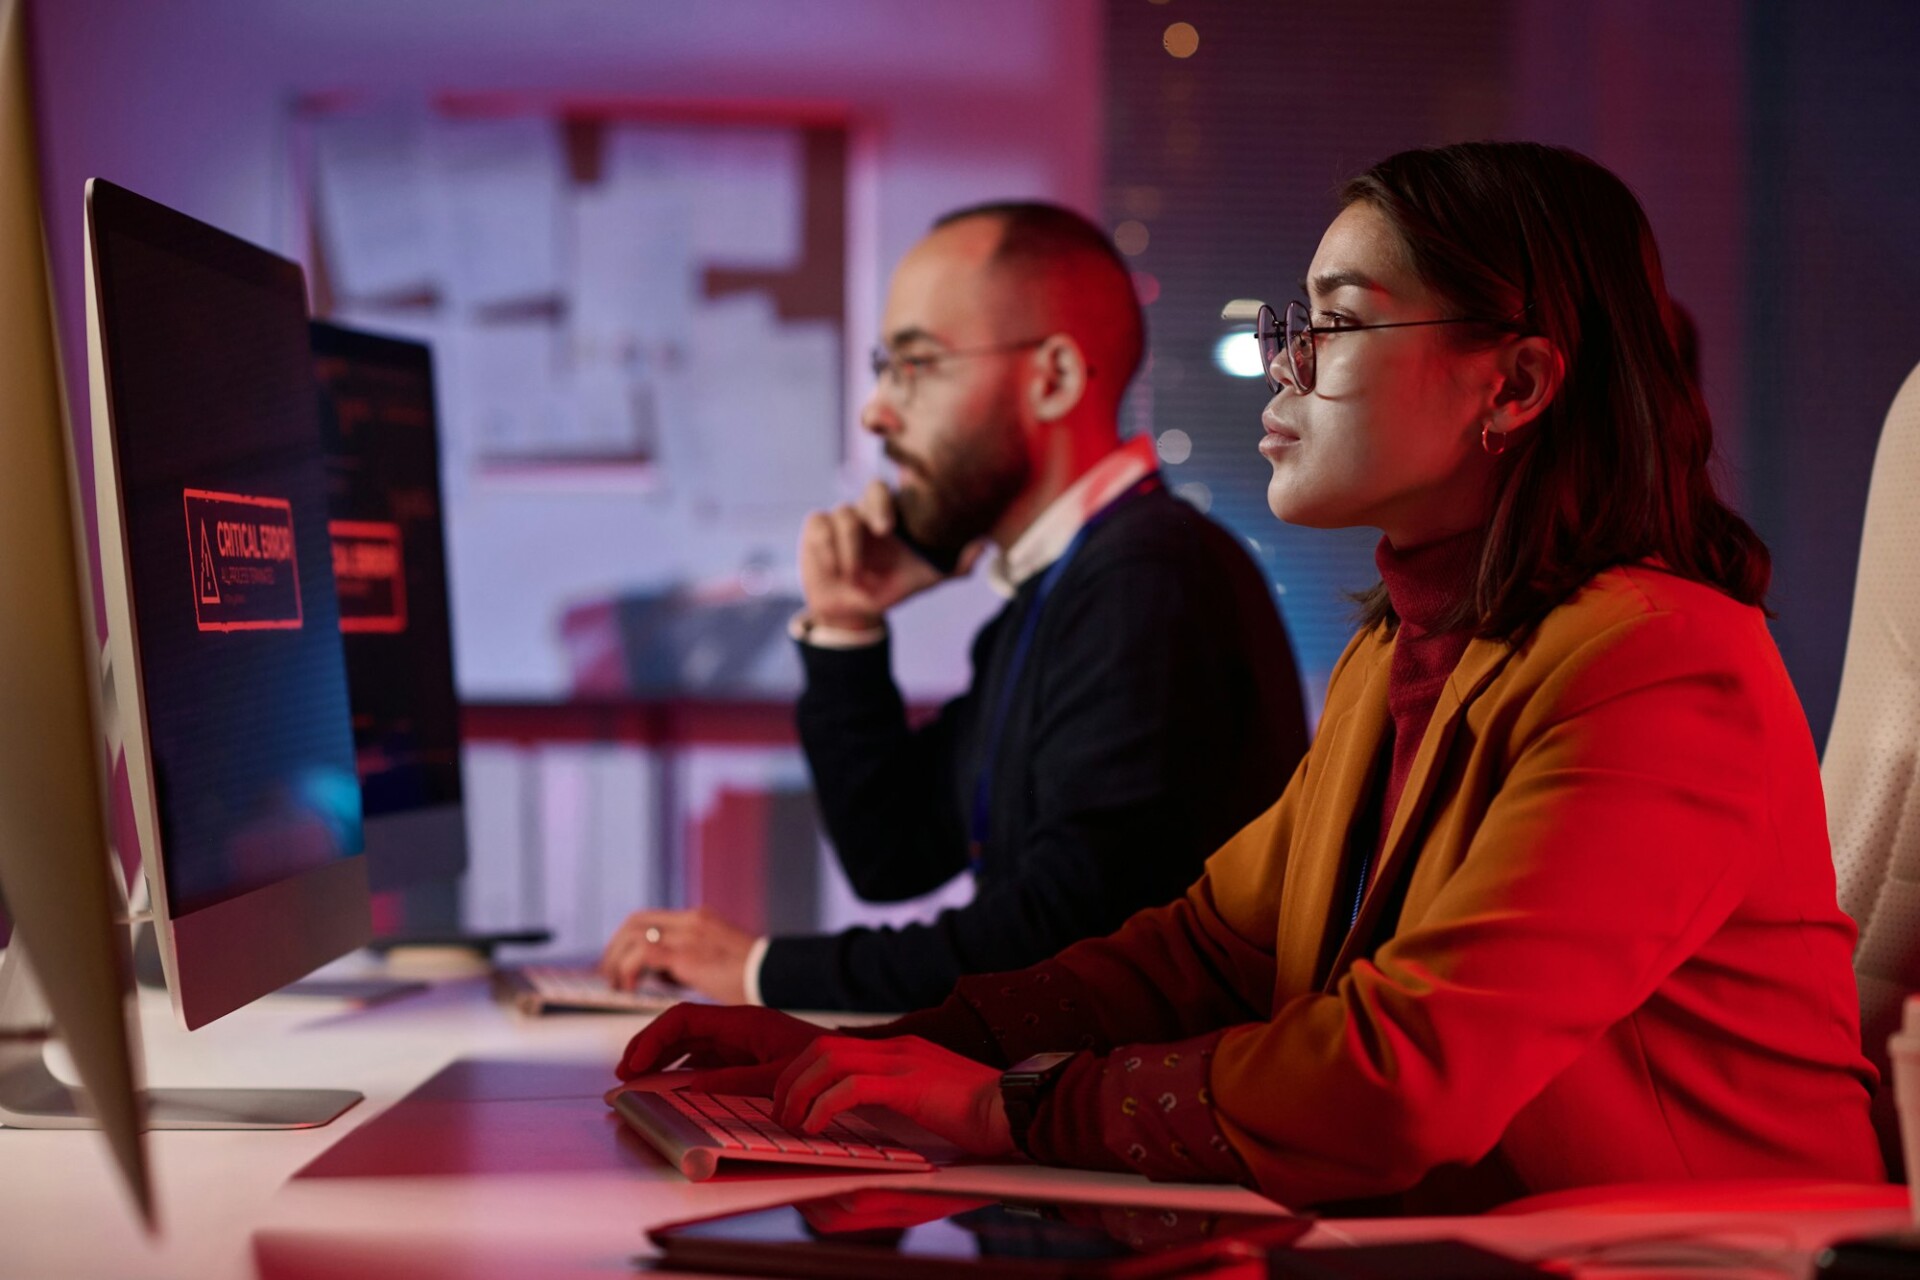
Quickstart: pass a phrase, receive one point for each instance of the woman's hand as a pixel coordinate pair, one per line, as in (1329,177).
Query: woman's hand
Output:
(738,1050)
(941,1091)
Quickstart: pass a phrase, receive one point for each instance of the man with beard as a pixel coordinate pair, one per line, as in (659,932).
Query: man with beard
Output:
(1131,707)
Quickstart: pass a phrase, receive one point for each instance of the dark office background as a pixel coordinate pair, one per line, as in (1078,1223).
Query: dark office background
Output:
(1774,146)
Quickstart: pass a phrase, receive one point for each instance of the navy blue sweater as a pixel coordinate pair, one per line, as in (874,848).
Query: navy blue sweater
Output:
(1158,711)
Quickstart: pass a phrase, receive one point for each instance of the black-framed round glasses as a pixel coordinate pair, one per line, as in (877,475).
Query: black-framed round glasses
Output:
(1297,337)
(900,372)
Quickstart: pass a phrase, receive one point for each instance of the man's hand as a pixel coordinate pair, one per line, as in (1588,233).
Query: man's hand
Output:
(853,569)
(740,1050)
(938,1089)
(696,949)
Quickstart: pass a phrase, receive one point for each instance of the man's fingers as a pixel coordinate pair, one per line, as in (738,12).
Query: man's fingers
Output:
(634,957)
(876,508)
(618,944)
(849,540)
(636,945)
(618,961)
(818,548)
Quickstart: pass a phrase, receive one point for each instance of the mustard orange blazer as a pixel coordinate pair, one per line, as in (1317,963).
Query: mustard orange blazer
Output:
(1619,956)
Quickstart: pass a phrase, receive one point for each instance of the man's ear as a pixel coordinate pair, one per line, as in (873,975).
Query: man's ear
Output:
(1532,372)
(1056,378)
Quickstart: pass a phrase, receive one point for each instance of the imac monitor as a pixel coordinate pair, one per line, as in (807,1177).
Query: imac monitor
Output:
(223,630)
(55,867)
(390,572)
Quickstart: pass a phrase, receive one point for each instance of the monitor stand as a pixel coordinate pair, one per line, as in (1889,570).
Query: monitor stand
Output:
(32,1097)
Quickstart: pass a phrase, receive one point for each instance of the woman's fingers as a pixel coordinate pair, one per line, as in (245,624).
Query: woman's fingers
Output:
(818,1068)
(716,1036)
(656,1044)
(696,1031)
(754,1081)
(848,1092)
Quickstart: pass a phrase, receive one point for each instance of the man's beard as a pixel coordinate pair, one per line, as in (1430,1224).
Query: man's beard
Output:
(964,488)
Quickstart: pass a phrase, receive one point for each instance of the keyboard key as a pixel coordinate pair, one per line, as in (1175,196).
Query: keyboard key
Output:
(866,1132)
(744,1128)
(687,1107)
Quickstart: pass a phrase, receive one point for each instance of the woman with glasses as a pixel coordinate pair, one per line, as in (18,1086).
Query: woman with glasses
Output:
(1548,903)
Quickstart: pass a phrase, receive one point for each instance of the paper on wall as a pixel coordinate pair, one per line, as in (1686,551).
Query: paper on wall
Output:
(632,292)
(514,404)
(376,205)
(744,187)
(765,398)
(633,276)
(497,189)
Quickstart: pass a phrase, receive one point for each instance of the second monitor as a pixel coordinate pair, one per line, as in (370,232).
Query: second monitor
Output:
(390,572)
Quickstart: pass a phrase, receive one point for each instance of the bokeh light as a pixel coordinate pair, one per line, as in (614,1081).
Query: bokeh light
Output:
(1175,446)
(1181,39)
(1196,495)
(1239,355)
(1131,237)
(1146,287)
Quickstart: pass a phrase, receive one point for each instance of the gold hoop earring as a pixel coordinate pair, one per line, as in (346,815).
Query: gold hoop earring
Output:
(1494,444)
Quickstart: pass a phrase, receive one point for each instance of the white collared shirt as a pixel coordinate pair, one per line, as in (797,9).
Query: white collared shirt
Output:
(1048,537)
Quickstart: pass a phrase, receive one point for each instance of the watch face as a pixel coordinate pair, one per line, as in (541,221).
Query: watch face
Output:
(1040,1064)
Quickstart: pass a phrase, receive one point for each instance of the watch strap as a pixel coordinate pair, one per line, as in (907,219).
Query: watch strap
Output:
(1024,1087)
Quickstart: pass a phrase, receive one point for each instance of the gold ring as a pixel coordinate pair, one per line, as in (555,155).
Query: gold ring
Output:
(652,934)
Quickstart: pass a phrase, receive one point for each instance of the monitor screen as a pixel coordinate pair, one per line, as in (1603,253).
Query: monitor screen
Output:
(222,496)
(390,572)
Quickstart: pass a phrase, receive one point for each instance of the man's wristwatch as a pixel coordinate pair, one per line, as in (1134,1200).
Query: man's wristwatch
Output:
(1024,1085)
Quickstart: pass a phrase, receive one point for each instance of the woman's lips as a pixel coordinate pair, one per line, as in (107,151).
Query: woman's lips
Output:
(1279,436)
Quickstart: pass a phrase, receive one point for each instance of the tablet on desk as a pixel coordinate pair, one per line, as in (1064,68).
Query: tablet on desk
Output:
(888,1234)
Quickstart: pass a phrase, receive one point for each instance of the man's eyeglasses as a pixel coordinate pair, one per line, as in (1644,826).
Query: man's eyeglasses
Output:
(1298,336)
(899,372)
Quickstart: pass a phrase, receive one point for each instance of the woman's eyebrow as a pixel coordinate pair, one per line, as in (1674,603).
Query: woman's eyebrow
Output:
(1327,282)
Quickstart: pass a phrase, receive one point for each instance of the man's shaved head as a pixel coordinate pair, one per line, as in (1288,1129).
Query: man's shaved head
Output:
(1056,272)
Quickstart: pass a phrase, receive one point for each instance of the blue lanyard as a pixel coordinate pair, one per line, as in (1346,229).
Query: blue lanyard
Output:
(1029,624)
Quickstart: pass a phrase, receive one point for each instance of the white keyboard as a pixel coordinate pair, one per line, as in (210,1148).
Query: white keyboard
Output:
(538,988)
(696,1131)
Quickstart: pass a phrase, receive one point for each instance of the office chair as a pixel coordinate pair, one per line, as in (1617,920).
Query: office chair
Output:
(1872,767)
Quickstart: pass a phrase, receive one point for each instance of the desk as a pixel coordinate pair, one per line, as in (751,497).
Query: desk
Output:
(483,1152)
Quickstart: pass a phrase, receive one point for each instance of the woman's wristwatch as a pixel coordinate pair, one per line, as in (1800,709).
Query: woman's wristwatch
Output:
(1023,1087)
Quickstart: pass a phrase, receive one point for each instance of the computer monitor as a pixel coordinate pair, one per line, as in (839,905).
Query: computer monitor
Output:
(54,858)
(223,628)
(390,570)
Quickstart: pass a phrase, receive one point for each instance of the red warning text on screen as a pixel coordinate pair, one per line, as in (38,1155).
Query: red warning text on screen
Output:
(245,574)
(368,577)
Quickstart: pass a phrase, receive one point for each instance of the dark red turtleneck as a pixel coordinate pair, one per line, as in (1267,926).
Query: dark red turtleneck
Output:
(1425,584)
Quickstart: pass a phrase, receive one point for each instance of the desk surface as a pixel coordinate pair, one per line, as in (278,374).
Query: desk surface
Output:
(483,1150)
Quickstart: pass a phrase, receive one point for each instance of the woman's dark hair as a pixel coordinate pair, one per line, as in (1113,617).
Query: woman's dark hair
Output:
(1615,469)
